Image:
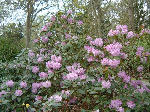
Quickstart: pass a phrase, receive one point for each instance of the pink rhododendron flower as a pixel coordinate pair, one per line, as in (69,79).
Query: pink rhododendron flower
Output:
(89,38)
(23,84)
(114,49)
(35,40)
(70,20)
(31,53)
(63,16)
(35,69)
(44,28)
(43,75)
(115,103)
(79,22)
(120,109)
(18,92)
(44,39)
(46,84)
(53,65)
(106,84)
(130,35)
(53,18)
(140,68)
(56,58)
(71,76)
(10,83)
(67,36)
(38,98)
(97,42)
(48,34)
(40,59)
(69,12)
(131,104)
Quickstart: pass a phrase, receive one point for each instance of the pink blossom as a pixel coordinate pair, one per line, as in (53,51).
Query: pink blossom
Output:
(35,69)
(54,65)
(106,84)
(43,75)
(10,83)
(48,34)
(46,84)
(44,39)
(18,92)
(35,40)
(63,16)
(53,18)
(115,103)
(114,49)
(23,84)
(38,98)
(71,76)
(67,36)
(89,38)
(40,59)
(44,28)
(140,68)
(131,104)
(79,22)
(70,20)
(31,53)
(130,35)
(56,58)
(97,42)
(69,12)
(120,109)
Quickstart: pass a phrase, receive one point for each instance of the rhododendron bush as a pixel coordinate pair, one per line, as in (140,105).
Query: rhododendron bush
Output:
(68,70)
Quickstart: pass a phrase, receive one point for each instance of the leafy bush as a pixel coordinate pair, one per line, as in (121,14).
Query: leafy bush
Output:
(68,70)
(9,48)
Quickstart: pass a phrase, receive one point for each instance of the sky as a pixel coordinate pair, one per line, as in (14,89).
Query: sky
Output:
(19,15)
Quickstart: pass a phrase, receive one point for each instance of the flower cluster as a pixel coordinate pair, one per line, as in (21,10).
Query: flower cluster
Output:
(110,62)
(75,72)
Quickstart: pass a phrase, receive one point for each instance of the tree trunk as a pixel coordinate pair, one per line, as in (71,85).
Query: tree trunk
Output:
(131,15)
(29,22)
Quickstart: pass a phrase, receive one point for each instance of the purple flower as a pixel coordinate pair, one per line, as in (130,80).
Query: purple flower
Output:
(38,98)
(31,53)
(115,103)
(44,39)
(140,68)
(53,18)
(46,84)
(2,93)
(23,84)
(120,109)
(10,83)
(130,35)
(18,92)
(67,36)
(131,104)
(97,42)
(71,76)
(35,69)
(35,40)
(69,12)
(56,59)
(80,22)
(114,49)
(44,28)
(89,38)
(63,16)
(43,75)
(36,85)
(40,59)
(70,20)
(106,84)
(54,65)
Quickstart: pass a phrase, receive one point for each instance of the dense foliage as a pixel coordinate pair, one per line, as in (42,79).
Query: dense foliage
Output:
(69,70)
